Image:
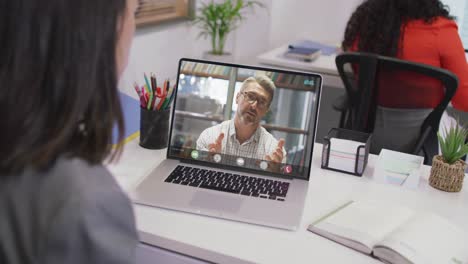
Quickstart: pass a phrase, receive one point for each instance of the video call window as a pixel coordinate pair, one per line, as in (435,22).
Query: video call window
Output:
(206,97)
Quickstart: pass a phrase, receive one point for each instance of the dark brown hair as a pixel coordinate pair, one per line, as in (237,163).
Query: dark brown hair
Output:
(376,24)
(58,78)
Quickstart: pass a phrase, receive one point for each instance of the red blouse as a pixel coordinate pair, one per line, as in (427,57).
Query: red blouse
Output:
(437,44)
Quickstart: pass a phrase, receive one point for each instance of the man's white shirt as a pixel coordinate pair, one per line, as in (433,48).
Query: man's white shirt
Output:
(261,143)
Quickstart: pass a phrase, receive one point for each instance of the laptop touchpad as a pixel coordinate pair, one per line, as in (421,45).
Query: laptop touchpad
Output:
(216,202)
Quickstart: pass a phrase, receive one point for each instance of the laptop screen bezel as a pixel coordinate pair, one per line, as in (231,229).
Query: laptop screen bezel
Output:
(318,91)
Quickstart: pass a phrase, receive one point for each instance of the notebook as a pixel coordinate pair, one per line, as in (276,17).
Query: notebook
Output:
(303,55)
(394,234)
(308,45)
(240,146)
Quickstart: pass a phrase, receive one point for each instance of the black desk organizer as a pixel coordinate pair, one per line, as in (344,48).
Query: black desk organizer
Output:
(340,133)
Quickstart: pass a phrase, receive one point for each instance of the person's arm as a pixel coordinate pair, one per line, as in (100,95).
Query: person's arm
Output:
(453,58)
(202,141)
(97,229)
(208,142)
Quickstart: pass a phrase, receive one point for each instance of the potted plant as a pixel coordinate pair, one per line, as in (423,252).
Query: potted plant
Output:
(217,20)
(448,170)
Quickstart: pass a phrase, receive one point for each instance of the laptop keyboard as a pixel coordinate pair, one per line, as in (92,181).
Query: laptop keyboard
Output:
(229,182)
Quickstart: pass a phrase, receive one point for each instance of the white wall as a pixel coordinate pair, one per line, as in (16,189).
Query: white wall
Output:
(456,8)
(157,49)
(323,20)
(459,9)
(252,37)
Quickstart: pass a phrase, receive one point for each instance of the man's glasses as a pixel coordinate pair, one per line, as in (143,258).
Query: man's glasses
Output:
(251,98)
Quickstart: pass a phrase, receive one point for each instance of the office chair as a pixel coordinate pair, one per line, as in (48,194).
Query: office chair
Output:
(407,127)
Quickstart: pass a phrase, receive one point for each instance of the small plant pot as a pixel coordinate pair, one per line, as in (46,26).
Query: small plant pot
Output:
(225,57)
(447,177)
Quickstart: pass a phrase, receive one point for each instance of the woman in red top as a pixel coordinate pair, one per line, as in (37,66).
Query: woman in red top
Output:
(415,30)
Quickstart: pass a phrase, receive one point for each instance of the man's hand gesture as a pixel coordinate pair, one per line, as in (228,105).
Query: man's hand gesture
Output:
(277,155)
(216,146)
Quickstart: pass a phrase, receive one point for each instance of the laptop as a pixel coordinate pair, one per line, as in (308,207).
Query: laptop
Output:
(258,170)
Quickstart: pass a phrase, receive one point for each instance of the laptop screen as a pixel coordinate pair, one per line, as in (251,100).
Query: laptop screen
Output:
(245,118)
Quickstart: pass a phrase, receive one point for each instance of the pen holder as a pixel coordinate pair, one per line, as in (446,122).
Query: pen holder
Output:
(346,151)
(154,128)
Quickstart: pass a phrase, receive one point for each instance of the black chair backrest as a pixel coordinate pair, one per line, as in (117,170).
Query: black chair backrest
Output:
(362,94)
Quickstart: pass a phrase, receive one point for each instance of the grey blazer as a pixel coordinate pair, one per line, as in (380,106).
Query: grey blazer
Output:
(72,213)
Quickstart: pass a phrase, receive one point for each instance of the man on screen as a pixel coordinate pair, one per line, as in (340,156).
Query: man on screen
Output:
(243,136)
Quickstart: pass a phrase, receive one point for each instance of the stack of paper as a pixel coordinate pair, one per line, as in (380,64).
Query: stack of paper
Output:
(343,154)
(398,168)
(304,55)
(308,45)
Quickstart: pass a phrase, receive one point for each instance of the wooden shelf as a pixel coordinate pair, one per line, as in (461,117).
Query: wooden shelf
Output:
(199,116)
(220,119)
(206,75)
(241,79)
(285,129)
(295,87)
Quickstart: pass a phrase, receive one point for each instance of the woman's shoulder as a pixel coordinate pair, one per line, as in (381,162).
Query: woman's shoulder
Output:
(90,191)
(82,184)
(97,214)
(65,177)
(437,23)
(79,173)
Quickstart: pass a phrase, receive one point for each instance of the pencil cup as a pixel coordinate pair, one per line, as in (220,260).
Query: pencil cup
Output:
(154,128)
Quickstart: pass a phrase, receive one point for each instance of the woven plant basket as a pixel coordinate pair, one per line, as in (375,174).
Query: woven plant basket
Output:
(447,177)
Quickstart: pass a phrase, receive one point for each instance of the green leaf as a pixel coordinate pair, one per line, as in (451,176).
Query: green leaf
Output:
(217,20)
(453,146)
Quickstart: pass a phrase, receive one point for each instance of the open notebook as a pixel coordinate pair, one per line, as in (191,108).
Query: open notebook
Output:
(394,234)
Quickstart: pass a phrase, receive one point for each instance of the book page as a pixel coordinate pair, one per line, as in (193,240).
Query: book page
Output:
(364,222)
(427,238)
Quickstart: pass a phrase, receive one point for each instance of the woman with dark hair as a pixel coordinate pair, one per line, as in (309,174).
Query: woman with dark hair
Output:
(415,30)
(60,62)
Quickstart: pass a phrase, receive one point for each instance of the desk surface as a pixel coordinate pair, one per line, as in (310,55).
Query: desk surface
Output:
(323,64)
(223,241)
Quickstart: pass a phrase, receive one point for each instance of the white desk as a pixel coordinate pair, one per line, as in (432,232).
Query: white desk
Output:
(324,65)
(223,241)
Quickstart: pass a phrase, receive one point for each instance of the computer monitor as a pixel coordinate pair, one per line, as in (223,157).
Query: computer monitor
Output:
(459,9)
